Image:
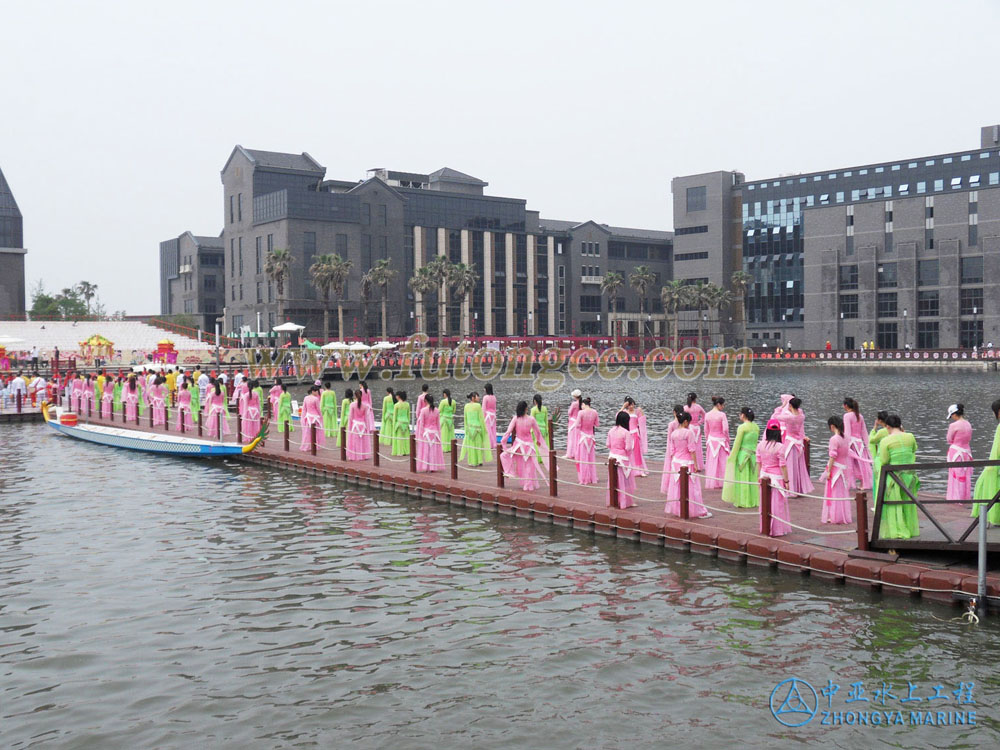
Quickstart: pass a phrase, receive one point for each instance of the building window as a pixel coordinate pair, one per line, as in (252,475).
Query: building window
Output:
(590,303)
(972,270)
(927,272)
(241,255)
(849,277)
(973,235)
(210,283)
(241,292)
(260,256)
(366,214)
(691,256)
(383,214)
(970,333)
(928,334)
(260,292)
(342,245)
(232,258)
(886,275)
(970,301)
(270,243)
(848,306)
(697,198)
(887,305)
(232,212)
(237,323)
(928,303)
(886,336)
(692,230)
(239,207)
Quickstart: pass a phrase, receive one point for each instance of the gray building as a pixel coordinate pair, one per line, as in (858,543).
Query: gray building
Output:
(12,292)
(537,276)
(192,280)
(893,252)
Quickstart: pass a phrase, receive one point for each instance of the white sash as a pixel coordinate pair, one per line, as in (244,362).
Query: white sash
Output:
(357,426)
(857,447)
(838,473)
(715,444)
(958,453)
(586,440)
(789,442)
(623,463)
(776,482)
(432,437)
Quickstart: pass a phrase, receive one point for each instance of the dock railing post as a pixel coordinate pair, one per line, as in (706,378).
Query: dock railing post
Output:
(613,483)
(413,453)
(553,473)
(18,400)
(239,428)
(312,437)
(861,509)
(150,415)
(765,506)
(166,418)
(200,415)
(222,423)
(288,435)
(454,459)
(343,443)
(375,455)
(683,479)
(806,451)
(981,582)
(90,404)
(180,418)
(499,466)
(548,425)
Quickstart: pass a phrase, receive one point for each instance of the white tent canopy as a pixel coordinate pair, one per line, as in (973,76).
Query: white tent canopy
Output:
(357,346)
(335,345)
(288,327)
(384,345)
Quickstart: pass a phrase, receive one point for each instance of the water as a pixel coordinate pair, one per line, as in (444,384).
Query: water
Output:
(920,396)
(156,602)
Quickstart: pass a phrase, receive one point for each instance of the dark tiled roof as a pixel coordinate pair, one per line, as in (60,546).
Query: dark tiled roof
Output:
(279,160)
(447,174)
(557,225)
(8,206)
(208,241)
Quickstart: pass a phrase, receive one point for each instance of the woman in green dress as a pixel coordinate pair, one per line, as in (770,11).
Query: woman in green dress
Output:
(195,400)
(401,425)
(345,407)
(328,408)
(898,447)
(875,437)
(284,409)
(541,415)
(476,449)
(386,429)
(741,466)
(446,412)
(117,396)
(988,484)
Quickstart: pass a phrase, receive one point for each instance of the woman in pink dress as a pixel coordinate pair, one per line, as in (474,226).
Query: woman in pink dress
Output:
(273,397)
(422,398)
(253,412)
(771,464)
(856,434)
(87,403)
(716,443)
(684,452)
(312,415)
(619,445)
(837,506)
(637,426)
(959,437)
(519,458)
(107,400)
(184,408)
(430,452)
(585,453)
(667,455)
(366,400)
(130,396)
(489,404)
(215,409)
(697,412)
(793,434)
(240,392)
(158,401)
(573,424)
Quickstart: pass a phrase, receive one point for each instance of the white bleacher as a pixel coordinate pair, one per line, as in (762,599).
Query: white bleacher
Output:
(127,336)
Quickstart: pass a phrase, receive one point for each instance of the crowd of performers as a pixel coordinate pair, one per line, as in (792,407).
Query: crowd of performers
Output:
(697,439)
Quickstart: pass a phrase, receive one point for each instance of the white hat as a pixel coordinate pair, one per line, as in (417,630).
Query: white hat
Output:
(952,410)
(576,393)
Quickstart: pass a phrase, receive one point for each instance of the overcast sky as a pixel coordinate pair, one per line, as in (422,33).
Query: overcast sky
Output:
(115,118)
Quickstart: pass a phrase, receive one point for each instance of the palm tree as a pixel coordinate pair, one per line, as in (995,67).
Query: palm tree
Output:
(699,300)
(381,277)
(740,282)
(439,269)
(276,267)
(423,284)
(716,298)
(674,296)
(88,291)
(612,285)
(340,270)
(321,273)
(367,289)
(463,281)
(641,279)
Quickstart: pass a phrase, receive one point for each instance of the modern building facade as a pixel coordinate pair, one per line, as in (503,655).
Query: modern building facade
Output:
(895,252)
(537,277)
(192,278)
(12,252)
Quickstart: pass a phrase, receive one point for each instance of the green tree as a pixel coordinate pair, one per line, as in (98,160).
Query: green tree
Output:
(423,283)
(674,296)
(739,282)
(641,279)
(341,271)
(321,273)
(381,277)
(276,268)
(88,291)
(463,281)
(612,285)
(439,269)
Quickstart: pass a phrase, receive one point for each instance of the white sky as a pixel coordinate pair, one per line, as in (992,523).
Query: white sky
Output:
(115,118)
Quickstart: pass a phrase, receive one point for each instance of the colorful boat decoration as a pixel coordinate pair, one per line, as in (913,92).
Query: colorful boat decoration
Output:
(150,442)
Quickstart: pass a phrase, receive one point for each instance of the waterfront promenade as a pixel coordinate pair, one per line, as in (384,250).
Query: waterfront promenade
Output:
(821,550)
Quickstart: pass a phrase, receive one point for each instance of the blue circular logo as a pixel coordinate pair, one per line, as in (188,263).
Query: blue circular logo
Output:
(794,702)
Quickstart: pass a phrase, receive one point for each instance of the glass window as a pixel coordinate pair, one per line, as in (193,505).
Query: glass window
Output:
(840,196)
(974,180)
(895,167)
(929,163)
(938,185)
(966,157)
(879,170)
(887,305)
(984,155)
(832,176)
(946,160)
(862,171)
(855,195)
(817,178)
(972,270)
(697,198)
(973,235)
(904,188)
(911,165)
(970,301)
(928,336)
(824,198)
(928,303)
(921,187)
(956,182)
(928,272)
(970,333)
(886,275)
(887,336)
(995,178)
(849,276)
(750,187)
(848,173)
(848,306)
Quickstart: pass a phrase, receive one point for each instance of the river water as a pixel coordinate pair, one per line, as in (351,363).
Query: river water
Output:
(157,602)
